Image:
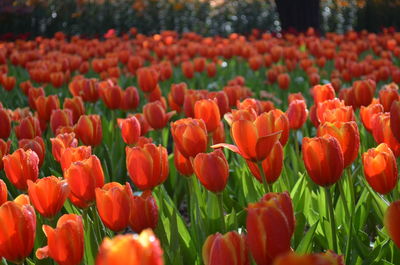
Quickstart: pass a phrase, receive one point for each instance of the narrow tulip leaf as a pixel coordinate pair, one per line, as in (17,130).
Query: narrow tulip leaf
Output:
(305,245)
(213,214)
(300,228)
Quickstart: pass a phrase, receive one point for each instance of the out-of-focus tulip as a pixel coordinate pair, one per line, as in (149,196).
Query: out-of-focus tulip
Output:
(297,114)
(270,225)
(8,82)
(143,249)
(147,166)
(199,64)
(61,142)
(219,134)
(190,136)
(147,79)
(89,130)
(364,91)
(228,249)
(65,243)
(130,98)
(48,195)
(387,95)
(188,69)
(155,114)
(28,128)
(323,159)
(111,94)
(60,118)
(85,88)
(182,164)
(222,101)
(144,212)
(367,114)
(130,130)
(395,119)
(211,69)
(4,149)
(113,205)
(77,107)
(382,132)
(328,258)
(83,178)
(3,192)
(144,125)
(176,96)
(45,106)
(57,79)
(347,135)
(17,232)
(380,168)
(322,93)
(5,124)
(212,169)
(250,103)
(272,165)
(391,221)
(283,81)
(191,97)
(33,94)
(21,166)
(37,145)
(208,111)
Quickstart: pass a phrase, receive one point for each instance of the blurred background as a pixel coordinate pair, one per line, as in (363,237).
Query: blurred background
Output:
(91,18)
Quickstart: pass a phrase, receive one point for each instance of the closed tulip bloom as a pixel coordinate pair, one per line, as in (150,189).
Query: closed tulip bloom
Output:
(270,225)
(367,114)
(147,166)
(222,101)
(21,166)
(144,212)
(89,130)
(176,96)
(60,118)
(48,195)
(274,121)
(8,82)
(61,142)
(147,79)
(364,91)
(322,93)
(5,124)
(380,168)
(295,96)
(57,79)
(130,130)
(382,132)
(113,205)
(144,125)
(36,145)
(212,169)
(219,134)
(250,103)
(33,94)
(191,97)
(182,164)
(111,94)
(4,149)
(283,81)
(83,178)
(188,69)
(323,159)
(391,222)
(272,165)
(395,120)
(155,114)
(388,95)
(143,249)
(297,114)
(208,111)
(130,98)
(77,107)
(65,243)
(3,192)
(28,128)
(328,258)
(211,69)
(228,249)
(85,88)
(74,154)
(190,136)
(45,106)
(347,135)
(199,64)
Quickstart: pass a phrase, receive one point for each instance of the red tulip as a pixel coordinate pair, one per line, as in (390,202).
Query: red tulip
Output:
(111,94)
(45,106)
(364,91)
(130,130)
(283,81)
(322,93)
(4,149)
(297,114)
(367,114)
(60,118)
(395,119)
(37,145)
(28,128)
(130,98)
(182,164)
(73,154)
(89,130)
(388,95)
(391,221)
(147,79)
(328,258)
(382,132)
(155,114)
(188,69)
(3,192)
(61,142)
(76,106)
(5,124)
(208,111)
(144,212)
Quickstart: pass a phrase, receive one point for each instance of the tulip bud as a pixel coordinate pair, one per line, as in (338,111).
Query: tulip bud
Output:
(144,212)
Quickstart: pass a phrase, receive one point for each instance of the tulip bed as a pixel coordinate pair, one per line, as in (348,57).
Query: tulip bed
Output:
(169,149)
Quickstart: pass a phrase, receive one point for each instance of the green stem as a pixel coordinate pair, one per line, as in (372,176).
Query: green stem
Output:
(267,188)
(221,210)
(332,219)
(343,196)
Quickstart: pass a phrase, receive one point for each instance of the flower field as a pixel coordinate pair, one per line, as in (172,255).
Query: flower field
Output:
(185,149)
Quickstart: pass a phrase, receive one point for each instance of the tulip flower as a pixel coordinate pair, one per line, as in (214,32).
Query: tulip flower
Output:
(60,118)
(5,124)
(144,212)
(190,136)
(113,205)
(45,106)
(380,168)
(322,93)
(328,258)
(76,106)
(74,154)
(208,111)
(147,79)
(3,192)
(382,132)
(176,96)
(28,128)
(48,195)
(110,93)
(61,142)
(85,88)
(65,243)
(33,94)
(367,114)
(36,145)
(191,97)
(147,166)
(387,95)
(88,129)
(364,91)
(228,249)
(130,130)
(17,232)
(182,164)
(188,69)
(21,166)
(242,114)
(211,69)
(391,222)
(270,225)
(395,119)
(83,178)
(283,81)
(143,249)
(222,101)
(272,122)
(323,159)
(250,103)
(8,82)
(4,149)
(297,114)
(155,114)
(130,98)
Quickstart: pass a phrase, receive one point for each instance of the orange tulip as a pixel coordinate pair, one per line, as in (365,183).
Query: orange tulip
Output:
(85,88)
(5,124)
(380,168)
(83,178)
(242,114)
(367,114)
(212,169)
(274,121)
(89,130)
(37,145)
(283,81)
(45,106)
(28,128)
(73,154)
(147,79)
(323,159)
(113,204)
(341,114)
(228,249)
(61,142)
(270,225)
(176,96)
(199,64)
(57,79)
(143,249)
(208,111)
(130,130)
(182,164)
(144,125)
(219,134)
(272,165)
(60,118)
(48,195)
(65,244)
(17,232)
(130,98)
(191,97)
(347,135)
(33,94)
(190,136)
(76,106)
(364,91)
(3,192)
(222,101)
(155,115)
(328,258)
(391,222)
(188,69)
(382,132)
(8,82)
(144,212)
(388,95)
(297,114)
(4,149)
(322,93)
(147,166)
(110,93)
(395,120)
(21,166)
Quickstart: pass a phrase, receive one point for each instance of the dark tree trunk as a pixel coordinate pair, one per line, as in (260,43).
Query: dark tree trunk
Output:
(299,15)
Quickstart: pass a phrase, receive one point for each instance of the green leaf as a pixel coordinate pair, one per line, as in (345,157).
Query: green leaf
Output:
(305,245)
